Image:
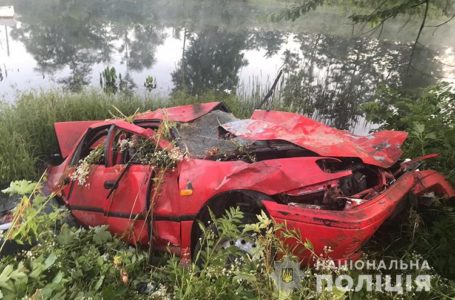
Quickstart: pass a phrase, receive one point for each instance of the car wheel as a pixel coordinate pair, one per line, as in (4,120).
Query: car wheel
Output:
(239,247)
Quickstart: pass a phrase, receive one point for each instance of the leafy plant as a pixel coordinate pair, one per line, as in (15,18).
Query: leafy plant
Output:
(108,80)
(20,187)
(429,119)
(29,222)
(150,83)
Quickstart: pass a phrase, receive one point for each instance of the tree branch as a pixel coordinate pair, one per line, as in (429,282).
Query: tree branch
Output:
(422,25)
(443,23)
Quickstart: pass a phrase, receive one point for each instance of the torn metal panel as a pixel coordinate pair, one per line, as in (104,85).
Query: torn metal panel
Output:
(345,231)
(381,149)
(271,177)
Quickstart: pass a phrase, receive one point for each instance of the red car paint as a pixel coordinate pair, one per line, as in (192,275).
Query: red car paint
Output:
(381,149)
(344,229)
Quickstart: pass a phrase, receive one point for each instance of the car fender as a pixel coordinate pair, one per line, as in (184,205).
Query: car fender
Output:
(207,178)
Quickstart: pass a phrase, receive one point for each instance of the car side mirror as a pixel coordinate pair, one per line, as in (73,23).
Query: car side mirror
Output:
(55,159)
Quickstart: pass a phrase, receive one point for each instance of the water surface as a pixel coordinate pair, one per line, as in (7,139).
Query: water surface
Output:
(331,66)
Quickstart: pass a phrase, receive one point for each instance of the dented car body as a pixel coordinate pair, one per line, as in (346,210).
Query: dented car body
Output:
(332,186)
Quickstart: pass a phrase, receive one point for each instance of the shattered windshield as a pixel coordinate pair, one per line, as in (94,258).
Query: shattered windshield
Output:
(201,138)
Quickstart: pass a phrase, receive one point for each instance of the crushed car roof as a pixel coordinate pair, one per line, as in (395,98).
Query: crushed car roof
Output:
(381,149)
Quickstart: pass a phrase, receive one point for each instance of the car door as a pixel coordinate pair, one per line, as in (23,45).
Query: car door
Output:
(87,196)
(119,189)
(127,206)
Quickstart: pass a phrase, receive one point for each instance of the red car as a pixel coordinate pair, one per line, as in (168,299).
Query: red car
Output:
(335,187)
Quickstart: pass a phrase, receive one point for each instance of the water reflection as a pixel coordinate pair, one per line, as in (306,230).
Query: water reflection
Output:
(203,45)
(211,62)
(329,77)
(270,41)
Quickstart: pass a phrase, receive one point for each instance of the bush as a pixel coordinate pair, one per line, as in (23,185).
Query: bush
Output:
(429,117)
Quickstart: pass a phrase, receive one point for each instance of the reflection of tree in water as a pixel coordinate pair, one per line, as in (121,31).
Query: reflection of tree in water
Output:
(270,41)
(78,34)
(211,62)
(139,44)
(331,77)
(60,35)
(78,77)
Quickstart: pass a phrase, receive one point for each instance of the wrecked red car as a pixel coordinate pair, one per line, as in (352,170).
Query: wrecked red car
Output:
(334,187)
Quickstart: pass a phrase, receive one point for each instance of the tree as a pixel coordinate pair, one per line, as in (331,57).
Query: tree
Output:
(211,62)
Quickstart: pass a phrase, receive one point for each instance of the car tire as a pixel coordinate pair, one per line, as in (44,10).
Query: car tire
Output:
(244,244)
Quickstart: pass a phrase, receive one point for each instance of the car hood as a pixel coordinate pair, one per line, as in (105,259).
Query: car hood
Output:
(380,149)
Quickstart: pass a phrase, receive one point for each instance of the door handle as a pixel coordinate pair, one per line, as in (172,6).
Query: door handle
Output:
(66,180)
(110,184)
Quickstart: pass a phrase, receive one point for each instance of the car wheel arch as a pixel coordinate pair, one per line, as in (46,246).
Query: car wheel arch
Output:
(246,199)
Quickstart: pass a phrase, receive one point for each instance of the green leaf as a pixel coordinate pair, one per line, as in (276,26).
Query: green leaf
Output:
(20,187)
(101,235)
(338,294)
(19,273)
(5,275)
(308,245)
(430,136)
(37,270)
(66,236)
(50,260)
(419,128)
(58,278)
(99,283)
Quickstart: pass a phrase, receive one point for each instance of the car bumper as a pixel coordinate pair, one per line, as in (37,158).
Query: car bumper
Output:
(344,232)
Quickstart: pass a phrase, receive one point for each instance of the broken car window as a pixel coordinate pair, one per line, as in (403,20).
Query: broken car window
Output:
(202,139)
(132,148)
(93,148)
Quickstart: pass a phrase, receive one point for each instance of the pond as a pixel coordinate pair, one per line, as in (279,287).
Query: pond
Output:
(330,66)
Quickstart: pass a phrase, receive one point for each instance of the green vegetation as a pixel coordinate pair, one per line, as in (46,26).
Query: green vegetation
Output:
(429,117)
